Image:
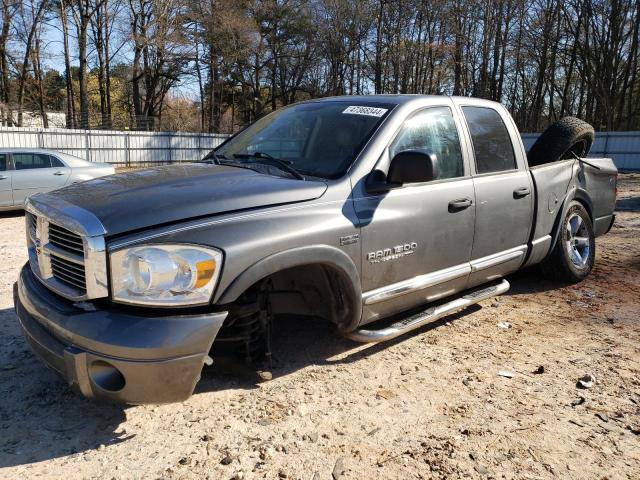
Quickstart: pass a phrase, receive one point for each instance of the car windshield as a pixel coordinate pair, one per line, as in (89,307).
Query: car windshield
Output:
(319,139)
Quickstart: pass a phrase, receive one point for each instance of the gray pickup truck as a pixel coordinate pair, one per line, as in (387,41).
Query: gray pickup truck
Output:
(376,213)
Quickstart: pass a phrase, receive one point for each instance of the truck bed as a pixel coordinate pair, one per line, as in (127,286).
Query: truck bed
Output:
(560,182)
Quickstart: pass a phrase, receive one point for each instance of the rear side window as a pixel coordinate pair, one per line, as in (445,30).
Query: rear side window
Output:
(3,162)
(433,130)
(55,162)
(26,161)
(491,142)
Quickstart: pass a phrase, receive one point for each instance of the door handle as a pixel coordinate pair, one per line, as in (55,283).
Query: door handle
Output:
(58,173)
(3,177)
(521,192)
(460,204)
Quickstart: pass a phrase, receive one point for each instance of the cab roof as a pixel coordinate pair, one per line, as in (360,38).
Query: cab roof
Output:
(398,99)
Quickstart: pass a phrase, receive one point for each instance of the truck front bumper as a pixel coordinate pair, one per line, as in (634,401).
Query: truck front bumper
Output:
(110,354)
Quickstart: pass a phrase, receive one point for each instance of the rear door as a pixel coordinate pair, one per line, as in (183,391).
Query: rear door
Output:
(6,197)
(504,193)
(36,172)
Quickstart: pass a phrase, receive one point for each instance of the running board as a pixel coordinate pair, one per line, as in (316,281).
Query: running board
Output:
(431,314)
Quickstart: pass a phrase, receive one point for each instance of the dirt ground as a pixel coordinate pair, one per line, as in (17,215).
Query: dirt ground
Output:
(428,405)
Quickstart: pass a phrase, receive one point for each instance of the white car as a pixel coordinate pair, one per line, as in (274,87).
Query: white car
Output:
(24,172)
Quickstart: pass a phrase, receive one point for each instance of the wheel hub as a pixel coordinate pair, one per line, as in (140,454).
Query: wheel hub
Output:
(578,244)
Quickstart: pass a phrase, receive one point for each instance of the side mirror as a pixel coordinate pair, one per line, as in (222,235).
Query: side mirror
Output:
(412,166)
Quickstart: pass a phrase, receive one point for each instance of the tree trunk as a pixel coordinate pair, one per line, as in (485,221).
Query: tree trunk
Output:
(70,118)
(37,73)
(200,85)
(82,72)
(378,53)
(4,64)
(97,23)
(107,66)
(27,53)
(212,92)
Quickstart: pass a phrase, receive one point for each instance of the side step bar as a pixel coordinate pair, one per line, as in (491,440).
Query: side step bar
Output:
(431,314)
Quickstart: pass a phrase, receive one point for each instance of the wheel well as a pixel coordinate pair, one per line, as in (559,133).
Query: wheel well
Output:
(586,206)
(316,290)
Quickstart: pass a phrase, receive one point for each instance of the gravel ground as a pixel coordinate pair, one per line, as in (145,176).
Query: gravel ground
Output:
(428,405)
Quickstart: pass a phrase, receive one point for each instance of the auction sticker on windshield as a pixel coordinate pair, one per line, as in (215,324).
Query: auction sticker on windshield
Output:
(369,111)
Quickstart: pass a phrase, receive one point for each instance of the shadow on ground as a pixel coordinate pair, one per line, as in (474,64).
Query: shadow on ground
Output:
(12,214)
(300,342)
(41,418)
(531,280)
(628,204)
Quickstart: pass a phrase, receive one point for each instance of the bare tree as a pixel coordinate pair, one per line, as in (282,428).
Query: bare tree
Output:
(71,120)
(240,59)
(81,12)
(159,55)
(31,17)
(9,9)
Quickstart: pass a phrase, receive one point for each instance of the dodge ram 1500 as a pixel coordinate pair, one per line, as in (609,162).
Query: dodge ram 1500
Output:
(353,209)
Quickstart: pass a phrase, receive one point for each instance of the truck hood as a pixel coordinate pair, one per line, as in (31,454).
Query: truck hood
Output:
(133,200)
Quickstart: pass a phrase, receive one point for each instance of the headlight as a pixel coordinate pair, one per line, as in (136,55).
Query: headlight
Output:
(165,275)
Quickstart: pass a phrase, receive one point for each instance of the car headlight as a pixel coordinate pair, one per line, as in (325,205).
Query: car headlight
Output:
(165,275)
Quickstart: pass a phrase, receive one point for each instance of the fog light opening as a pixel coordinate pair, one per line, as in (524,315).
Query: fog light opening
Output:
(106,376)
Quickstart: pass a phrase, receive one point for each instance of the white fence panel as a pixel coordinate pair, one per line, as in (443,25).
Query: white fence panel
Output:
(73,142)
(118,148)
(129,148)
(622,147)
(20,138)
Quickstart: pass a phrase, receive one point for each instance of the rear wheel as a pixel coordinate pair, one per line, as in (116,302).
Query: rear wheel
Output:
(574,253)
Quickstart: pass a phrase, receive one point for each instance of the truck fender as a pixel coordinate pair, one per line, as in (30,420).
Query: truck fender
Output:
(574,193)
(327,255)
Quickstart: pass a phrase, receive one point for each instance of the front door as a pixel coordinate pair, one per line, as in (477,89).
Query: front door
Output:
(504,196)
(417,239)
(6,197)
(36,172)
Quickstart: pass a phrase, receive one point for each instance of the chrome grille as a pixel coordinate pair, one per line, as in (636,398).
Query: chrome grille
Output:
(66,248)
(32,222)
(68,272)
(63,238)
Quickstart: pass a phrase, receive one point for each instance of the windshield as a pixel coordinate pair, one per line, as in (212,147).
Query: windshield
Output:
(319,139)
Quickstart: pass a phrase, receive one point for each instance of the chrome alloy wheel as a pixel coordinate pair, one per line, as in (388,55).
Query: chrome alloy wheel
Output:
(578,244)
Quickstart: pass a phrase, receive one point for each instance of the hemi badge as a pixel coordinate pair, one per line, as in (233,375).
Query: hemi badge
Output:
(349,239)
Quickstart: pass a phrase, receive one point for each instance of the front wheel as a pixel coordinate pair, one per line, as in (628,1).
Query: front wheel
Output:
(574,253)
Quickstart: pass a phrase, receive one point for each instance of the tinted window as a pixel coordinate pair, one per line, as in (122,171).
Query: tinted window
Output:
(491,141)
(24,161)
(433,131)
(55,162)
(3,162)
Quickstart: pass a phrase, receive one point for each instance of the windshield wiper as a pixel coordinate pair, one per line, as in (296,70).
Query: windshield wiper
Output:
(267,159)
(234,163)
(212,157)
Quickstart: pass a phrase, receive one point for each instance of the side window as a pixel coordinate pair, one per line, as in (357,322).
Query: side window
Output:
(55,162)
(433,130)
(3,162)
(26,161)
(491,142)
